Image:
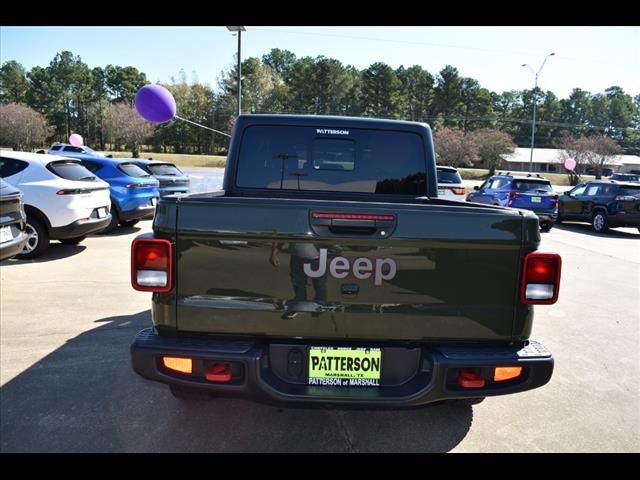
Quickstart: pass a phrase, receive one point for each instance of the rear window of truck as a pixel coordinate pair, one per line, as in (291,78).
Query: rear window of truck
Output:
(355,160)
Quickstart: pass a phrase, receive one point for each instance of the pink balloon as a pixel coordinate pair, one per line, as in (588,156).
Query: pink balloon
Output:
(75,140)
(570,164)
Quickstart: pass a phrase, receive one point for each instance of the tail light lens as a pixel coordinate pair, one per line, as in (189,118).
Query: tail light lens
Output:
(152,265)
(352,216)
(79,191)
(457,191)
(541,278)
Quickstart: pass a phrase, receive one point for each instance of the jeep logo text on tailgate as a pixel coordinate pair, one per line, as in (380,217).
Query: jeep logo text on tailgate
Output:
(363,268)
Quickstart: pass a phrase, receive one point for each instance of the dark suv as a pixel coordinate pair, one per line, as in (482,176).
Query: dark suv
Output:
(603,203)
(625,177)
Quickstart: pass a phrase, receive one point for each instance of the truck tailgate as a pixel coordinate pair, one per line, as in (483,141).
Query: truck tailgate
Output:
(256,266)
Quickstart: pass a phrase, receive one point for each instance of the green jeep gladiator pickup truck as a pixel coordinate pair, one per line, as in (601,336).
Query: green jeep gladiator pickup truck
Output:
(328,271)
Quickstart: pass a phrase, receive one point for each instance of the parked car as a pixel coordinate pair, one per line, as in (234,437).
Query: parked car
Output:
(531,192)
(134,192)
(12,221)
(603,203)
(450,183)
(66,149)
(606,171)
(171,179)
(625,177)
(62,199)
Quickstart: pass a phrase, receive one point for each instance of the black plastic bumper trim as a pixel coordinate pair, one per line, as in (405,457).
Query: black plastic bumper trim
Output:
(78,228)
(430,383)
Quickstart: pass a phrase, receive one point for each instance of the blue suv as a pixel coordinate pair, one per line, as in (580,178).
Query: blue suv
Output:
(529,192)
(134,192)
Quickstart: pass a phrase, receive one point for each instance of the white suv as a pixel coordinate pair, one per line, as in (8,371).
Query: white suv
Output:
(450,184)
(63,200)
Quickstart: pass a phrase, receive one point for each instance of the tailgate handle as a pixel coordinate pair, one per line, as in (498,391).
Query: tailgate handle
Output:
(353,224)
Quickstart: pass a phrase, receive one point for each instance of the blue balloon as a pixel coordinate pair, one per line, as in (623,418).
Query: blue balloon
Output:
(155,104)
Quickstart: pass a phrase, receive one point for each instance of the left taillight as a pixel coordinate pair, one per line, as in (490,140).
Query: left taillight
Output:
(152,265)
(541,278)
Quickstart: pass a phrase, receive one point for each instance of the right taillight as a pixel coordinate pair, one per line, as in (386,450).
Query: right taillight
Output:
(541,278)
(151,265)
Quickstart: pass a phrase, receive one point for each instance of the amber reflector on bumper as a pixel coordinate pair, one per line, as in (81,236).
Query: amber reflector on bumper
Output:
(506,373)
(178,364)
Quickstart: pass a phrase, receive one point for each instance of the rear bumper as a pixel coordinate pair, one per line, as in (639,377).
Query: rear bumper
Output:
(624,220)
(171,188)
(264,370)
(546,217)
(144,211)
(79,228)
(13,247)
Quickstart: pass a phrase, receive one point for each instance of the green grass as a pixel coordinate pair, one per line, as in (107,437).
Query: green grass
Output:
(181,160)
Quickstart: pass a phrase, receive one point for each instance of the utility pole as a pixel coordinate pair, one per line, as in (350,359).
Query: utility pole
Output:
(535,89)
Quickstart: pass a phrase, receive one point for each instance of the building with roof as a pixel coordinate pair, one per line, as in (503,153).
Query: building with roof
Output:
(551,160)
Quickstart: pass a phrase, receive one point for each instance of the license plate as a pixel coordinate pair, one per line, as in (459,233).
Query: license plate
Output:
(441,191)
(345,366)
(102,212)
(5,234)
(536,199)
(153,201)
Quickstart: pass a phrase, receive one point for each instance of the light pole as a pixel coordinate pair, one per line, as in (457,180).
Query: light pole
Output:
(239,30)
(533,123)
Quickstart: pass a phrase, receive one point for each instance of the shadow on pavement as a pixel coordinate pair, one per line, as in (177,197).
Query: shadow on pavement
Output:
(84,397)
(585,229)
(56,251)
(118,232)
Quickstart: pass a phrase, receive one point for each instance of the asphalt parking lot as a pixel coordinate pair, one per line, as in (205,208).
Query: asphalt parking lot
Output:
(66,384)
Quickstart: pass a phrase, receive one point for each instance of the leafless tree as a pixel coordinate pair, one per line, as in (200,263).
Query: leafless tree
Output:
(596,151)
(124,126)
(22,128)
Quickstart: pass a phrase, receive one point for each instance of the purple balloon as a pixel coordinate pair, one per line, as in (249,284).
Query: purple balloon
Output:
(75,140)
(155,104)
(570,164)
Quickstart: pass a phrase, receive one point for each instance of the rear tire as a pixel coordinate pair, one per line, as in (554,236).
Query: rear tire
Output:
(189,393)
(546,228)
(73,241)
(129,223)
(38,240)
(115,219)
(600,222)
